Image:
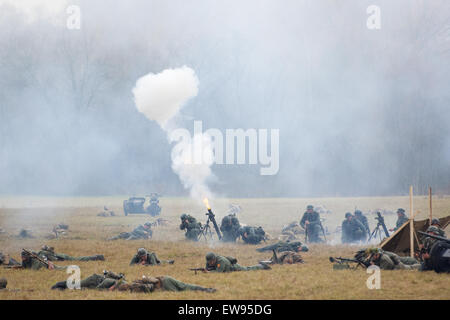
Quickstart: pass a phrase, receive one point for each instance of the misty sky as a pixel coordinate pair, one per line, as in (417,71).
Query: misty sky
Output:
(360,112)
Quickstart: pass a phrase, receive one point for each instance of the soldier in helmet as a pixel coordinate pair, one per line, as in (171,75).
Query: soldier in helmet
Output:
(252,235)
(436,223)
(425,248)
(51,255)
(161,283)
(216,263)
(363,219)
(107,280)
(140,232)
(230,228)
(143,257)
(390,261)
(402,219)
(352,229)
(311,223)
(282,246)
(30,261)
(192,227)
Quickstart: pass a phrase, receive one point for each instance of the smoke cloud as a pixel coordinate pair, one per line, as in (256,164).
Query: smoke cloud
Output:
(160,97)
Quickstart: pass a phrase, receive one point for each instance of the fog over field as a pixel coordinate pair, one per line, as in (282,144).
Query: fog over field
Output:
(360,112)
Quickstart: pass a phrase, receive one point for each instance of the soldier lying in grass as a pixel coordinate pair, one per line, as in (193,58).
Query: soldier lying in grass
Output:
(51,255)
(143,257)
(112,281)
(216,263)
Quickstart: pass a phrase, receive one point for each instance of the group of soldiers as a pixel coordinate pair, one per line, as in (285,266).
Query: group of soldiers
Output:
(230,228)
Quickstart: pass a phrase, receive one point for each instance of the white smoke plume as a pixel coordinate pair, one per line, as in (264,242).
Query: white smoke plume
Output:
(160,97)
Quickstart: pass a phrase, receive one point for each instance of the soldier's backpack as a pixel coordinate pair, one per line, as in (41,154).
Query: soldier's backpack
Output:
(232,260)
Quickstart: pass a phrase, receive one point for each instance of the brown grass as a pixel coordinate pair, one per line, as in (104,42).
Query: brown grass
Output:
(313,280)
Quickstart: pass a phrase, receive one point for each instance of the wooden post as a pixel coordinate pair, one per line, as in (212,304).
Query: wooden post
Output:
(411,222)
(430,196)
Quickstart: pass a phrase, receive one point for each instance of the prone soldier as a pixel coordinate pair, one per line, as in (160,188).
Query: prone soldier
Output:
(51,255)
(140,232)
(143,257)
(216,263)
(390,261)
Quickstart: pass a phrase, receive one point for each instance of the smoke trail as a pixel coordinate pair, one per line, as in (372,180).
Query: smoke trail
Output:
(160,97)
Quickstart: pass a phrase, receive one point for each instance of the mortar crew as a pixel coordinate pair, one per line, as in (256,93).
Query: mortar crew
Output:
(436,223)
(216,263)
(143,257)
(425,247)
(51,255)
(193,228)
(160,283)
(402,219)
(30,262)
(107,280)
(252,235)
(311,223)
(352,229)
(281,246)
(230,228)
(363,219)
(390,261)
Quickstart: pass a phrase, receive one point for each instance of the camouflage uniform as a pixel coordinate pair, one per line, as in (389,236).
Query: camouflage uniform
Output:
(313,228)
(352,230)
(287,257)
(164,283)
(193,228)
(228,264)
(281,246)
(51,255)
(436,223)
(141,232)
(230,228)
(252,235)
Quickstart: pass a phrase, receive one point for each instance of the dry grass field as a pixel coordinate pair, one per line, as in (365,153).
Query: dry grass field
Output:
(314,279)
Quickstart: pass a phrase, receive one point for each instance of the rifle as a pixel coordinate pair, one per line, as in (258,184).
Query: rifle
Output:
(323,230)
(341,260)
(434,237)
(211,217)
(36,257)
(199,269)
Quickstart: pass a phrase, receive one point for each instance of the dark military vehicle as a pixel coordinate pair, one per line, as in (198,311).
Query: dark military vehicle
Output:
(136,205)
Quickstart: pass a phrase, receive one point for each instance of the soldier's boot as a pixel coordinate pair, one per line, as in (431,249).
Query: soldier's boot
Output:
(209,290)
(99,257)
(61,285)
(264,265)
(170,261)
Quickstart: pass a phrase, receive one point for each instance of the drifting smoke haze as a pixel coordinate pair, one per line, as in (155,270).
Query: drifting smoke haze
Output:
(160,97)
(360,112)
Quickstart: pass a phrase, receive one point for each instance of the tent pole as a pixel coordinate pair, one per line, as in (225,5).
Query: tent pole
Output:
(430,195)
(411,222)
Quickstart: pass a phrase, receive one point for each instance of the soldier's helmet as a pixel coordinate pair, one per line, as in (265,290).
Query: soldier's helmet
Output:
(210,256)
(435,221)
(401,210)
(348,214)
(310,207)
(141,252)
(183,216)
(148,224)
(3,283)
(358,212)
(433,229)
